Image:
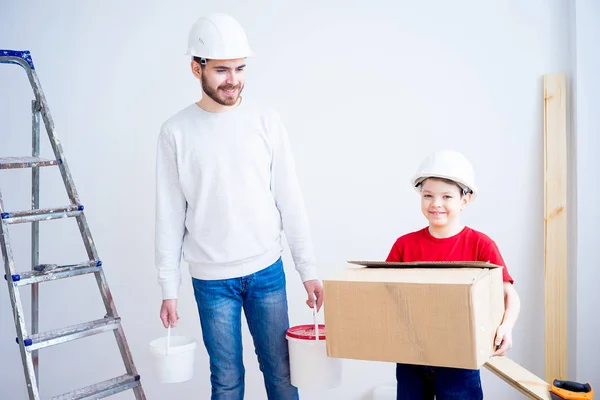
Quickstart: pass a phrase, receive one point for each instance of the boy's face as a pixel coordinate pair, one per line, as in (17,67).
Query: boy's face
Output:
(441,202)
(222,80)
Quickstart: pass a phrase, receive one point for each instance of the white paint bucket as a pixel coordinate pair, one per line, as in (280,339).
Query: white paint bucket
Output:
(310,367)
(174,358)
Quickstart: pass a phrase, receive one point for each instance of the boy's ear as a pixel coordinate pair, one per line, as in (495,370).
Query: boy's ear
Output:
(465,200)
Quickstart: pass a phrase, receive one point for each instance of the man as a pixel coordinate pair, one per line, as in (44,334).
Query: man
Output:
(226,191)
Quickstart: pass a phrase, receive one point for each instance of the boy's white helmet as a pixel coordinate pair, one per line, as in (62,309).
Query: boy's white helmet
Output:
(447,164)
(218,36)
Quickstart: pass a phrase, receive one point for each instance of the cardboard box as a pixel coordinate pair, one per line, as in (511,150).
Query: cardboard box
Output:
(437,314)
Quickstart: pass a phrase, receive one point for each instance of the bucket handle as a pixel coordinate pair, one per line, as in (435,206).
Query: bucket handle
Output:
(315,321)
(168,338)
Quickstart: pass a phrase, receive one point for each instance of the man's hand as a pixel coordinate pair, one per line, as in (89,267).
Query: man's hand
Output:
(314,289)
(503,340)
(168,313)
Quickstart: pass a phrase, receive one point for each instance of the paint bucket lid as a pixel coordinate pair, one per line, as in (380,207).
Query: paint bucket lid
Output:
(306,332)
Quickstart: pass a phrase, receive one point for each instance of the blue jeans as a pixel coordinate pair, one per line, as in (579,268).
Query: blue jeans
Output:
(263,298)
(418,382)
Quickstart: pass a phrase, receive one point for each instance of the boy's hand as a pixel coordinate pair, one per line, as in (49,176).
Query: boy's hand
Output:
(503,340)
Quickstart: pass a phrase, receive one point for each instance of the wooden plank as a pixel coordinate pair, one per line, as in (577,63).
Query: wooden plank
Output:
(519,378)
(555,225)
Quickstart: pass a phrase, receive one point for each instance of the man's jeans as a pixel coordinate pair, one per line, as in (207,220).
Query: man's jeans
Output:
(417,382)
(262,296)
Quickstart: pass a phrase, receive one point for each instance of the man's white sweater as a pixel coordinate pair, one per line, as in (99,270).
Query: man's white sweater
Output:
(226,190)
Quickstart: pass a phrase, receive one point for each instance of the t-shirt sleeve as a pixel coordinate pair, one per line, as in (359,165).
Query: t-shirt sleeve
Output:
(395,254)
(489,252)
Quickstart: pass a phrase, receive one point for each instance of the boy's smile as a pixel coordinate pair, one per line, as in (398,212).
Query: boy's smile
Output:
(437,213)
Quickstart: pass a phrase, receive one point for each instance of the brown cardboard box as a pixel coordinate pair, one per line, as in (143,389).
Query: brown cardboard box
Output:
(438,314)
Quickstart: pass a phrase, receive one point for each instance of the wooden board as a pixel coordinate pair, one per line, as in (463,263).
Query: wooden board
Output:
(555,225)
(520,378)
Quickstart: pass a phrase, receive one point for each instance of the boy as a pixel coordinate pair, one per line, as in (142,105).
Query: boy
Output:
(446,182)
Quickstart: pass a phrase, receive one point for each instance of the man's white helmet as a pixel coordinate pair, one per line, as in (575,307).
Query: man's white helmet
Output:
(218,36)
(447,164)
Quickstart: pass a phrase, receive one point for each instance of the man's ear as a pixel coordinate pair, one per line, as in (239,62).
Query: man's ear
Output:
(196,69)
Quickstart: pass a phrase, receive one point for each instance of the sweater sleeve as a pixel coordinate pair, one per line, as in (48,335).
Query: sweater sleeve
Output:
(290,202)
(170,217)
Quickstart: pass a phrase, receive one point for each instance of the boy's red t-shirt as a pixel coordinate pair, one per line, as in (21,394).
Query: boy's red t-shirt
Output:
(468,245)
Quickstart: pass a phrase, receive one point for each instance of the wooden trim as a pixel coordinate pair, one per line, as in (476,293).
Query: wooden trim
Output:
(555,225)
(519,378)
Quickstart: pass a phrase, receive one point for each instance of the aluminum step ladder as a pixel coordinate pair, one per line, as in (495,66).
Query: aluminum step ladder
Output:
(30,343)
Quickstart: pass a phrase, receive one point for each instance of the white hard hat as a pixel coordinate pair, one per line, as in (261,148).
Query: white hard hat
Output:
(447,164)
(218,36)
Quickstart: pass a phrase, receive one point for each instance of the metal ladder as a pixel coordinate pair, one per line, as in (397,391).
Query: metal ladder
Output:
(29,344)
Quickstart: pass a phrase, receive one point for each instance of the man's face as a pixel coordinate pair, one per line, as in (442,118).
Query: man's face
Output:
(222,80)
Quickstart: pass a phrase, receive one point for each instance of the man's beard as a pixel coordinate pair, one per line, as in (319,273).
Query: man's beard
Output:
(223,100)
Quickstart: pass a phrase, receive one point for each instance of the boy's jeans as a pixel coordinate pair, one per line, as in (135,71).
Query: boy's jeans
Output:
(262,296)
(417,382)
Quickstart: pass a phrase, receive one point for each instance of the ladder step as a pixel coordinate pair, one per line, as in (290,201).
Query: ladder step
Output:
(58,272)
(102,389)
(25,162)
(42,214)
(74,332)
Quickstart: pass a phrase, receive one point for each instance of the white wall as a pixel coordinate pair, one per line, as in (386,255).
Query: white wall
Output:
(588,165)
(366,92)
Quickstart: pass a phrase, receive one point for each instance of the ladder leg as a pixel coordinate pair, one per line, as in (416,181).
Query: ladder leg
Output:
(54,141)
(119,333)
(18,314)
(35,231)
(128,361)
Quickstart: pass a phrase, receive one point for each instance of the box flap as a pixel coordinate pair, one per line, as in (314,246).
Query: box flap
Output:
(460,276)
(426,264)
